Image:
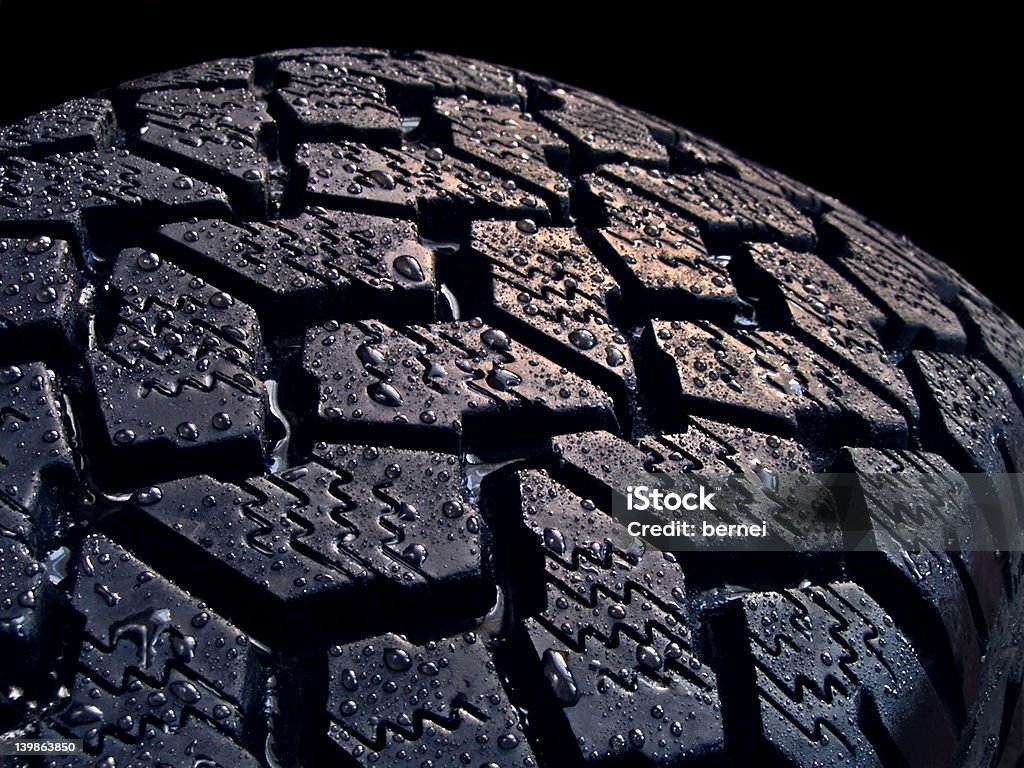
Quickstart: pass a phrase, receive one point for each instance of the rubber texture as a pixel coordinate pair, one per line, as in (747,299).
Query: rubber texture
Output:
(315,373)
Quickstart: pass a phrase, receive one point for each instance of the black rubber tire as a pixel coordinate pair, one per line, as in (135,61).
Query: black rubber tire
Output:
(267,330)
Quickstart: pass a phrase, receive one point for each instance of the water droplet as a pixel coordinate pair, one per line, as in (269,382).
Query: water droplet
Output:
(184,648)
(428,417)
(408,267)
(415,554)
(146,497)
(452,509)
(647,657)
(47,296)
(527,226)
(382,179)
(9,374)
(614,357)
(496,340)
(617,611)
(560,678)
(348,707)
(350,681)
(554,540)
(148,262)
(110,597)
(186,691)
(370,355)
(183,182)
(502,380)
(434,155)
(221,300)
(82,714)
(397,660)
(581,338)
(39,244)
(124,436)
(221,712)
(144,630)
(507,741)
(188,431)
(385,394)
(221,421)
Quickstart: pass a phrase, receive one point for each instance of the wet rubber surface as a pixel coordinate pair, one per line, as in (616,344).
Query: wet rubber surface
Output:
(315,372)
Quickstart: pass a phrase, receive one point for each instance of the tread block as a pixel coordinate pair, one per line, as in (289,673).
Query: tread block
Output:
(939,506)
(976,410)
(153,409)
(21,584)
(769,375)
(182,367)
(1000,337)
(603,132)
(414,79)
(391,701)
(660,255)
(153,658)
(433,378)
(36,463)
(706,446)
(513,143)
(79,124)
(694,153)
(61,187)
(553,289)
(714,449)
(322,99)
(350,264)
(412,181)
(220,133)
(726,209)
(40,288)
(166,312)
(825,655)
(829,310)
(886,268)
(934,500)
(222,73)
(616,649)
(351,520)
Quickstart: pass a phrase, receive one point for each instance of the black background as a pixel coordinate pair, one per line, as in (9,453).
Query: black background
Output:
(902,120)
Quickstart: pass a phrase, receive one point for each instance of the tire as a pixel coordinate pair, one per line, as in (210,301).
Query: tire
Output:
(315,371)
